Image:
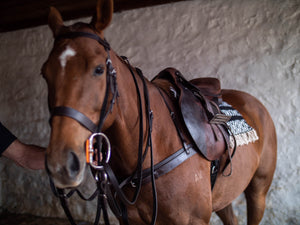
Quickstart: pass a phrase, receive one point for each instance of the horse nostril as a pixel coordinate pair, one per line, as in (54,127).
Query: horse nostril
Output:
(73,165)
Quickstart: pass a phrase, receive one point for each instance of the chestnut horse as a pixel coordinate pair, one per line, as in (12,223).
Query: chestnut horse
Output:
(76,75)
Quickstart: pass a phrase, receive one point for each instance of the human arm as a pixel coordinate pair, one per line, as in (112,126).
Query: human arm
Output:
(27,156)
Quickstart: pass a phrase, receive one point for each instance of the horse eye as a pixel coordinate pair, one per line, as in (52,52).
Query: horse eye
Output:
(99,70)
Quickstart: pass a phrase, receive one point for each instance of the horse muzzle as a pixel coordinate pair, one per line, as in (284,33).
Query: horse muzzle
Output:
(68,174)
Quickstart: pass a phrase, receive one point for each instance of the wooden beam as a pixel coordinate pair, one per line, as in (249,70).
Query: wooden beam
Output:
(19,14)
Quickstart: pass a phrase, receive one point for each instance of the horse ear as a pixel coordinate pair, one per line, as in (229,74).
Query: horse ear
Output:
(55,21)
(103,15)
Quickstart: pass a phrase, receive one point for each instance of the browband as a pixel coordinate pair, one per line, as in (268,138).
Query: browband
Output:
(71,35)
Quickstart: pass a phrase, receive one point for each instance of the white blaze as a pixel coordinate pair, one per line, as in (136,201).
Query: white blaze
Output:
(65,55)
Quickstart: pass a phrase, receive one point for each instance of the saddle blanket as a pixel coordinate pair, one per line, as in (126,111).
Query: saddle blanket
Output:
(243,133)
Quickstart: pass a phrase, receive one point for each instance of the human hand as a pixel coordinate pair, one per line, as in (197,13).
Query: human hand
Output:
(27,156)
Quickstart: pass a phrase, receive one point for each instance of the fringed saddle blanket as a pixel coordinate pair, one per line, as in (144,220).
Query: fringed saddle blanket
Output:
(243,133)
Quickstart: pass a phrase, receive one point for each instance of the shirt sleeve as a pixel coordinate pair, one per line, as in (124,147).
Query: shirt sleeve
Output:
(6,138)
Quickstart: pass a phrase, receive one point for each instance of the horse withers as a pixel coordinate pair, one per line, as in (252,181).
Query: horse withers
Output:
(92,89)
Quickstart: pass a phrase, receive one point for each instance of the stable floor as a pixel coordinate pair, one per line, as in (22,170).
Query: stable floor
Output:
(26,219)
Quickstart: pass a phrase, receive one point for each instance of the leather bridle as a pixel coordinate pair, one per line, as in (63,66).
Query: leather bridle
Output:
(109,190)
(110,82)
(106,180)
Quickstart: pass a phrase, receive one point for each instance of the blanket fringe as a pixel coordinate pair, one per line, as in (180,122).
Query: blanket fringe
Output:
(244,138)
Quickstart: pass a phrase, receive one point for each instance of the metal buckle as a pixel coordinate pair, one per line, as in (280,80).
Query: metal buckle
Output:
(90,150)
(220,118)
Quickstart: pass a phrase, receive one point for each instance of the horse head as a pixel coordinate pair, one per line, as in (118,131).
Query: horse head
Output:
(78,72)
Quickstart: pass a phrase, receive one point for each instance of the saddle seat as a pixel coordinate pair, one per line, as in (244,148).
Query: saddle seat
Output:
(196,103)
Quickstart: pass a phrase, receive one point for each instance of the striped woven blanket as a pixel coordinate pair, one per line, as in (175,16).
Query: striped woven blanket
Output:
(243,133)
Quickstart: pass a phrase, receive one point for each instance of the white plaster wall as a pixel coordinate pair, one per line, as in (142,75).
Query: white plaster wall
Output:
(252,46)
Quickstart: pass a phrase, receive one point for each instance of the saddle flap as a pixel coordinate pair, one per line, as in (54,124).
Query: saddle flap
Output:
(207,137)
(194,118)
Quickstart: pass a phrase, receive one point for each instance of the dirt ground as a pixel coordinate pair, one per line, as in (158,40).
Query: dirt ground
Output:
(7,218)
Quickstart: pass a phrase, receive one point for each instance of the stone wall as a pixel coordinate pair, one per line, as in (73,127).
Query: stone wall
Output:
(252,46)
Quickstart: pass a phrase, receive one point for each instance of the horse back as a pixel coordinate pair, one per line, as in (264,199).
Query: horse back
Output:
(253,111)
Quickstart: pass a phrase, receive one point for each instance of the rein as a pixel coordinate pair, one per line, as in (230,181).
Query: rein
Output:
(106,180)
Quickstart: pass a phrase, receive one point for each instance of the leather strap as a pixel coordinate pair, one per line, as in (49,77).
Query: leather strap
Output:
(76,115)
(164,166)
(72,35)
(169,163)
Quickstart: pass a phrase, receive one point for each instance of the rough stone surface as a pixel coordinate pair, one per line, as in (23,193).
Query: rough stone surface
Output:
(252,46)
(27,219)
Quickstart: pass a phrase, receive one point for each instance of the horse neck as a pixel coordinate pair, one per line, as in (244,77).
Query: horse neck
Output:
(124,131)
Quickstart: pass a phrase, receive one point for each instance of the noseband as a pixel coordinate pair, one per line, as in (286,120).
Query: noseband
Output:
(104,176)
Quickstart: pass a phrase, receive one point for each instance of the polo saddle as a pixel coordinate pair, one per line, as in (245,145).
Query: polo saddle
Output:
(194,106)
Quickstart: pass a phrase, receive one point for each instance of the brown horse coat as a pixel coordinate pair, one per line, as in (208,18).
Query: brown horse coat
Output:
(184,194)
